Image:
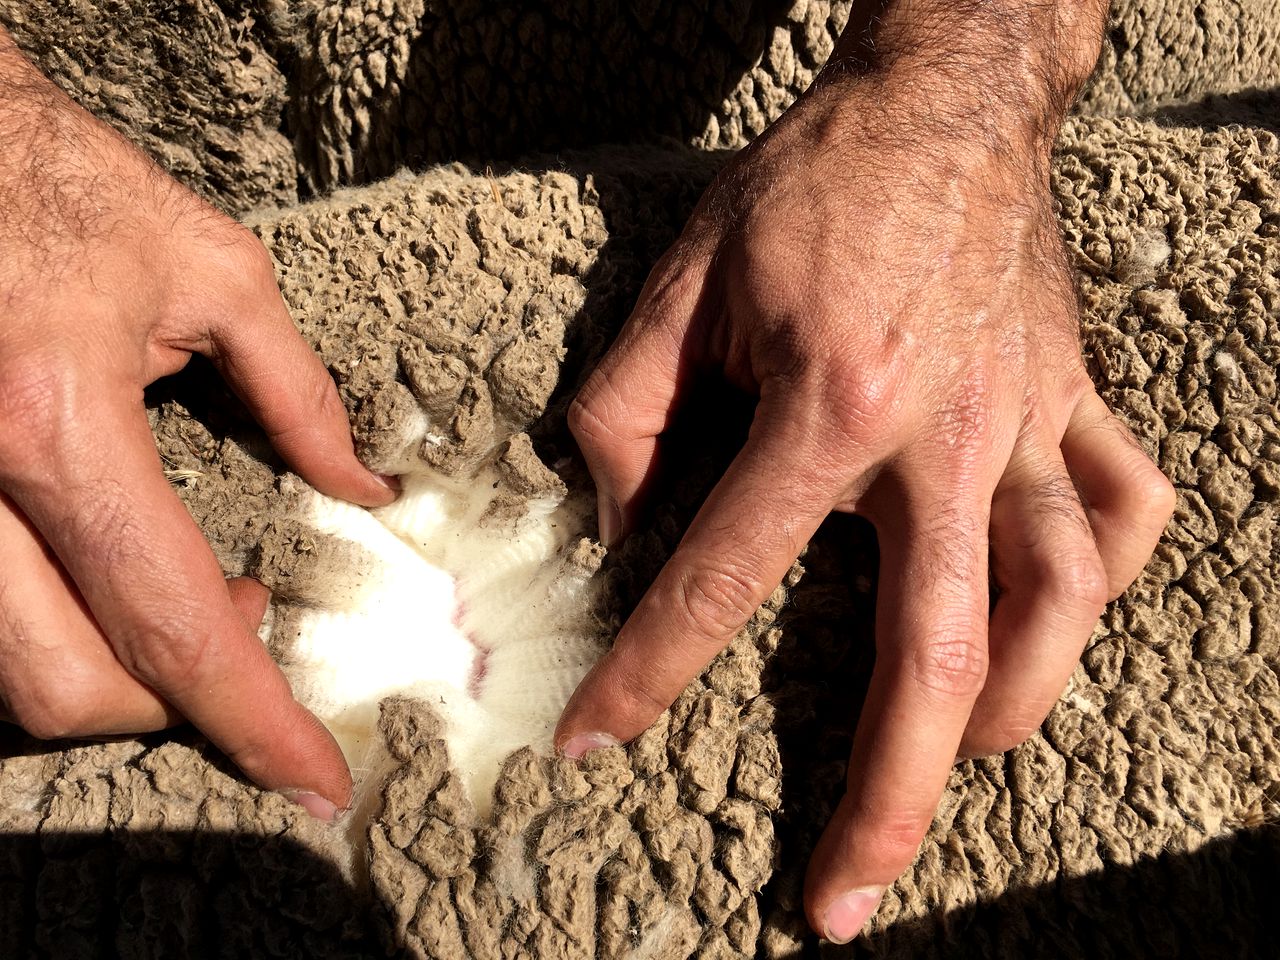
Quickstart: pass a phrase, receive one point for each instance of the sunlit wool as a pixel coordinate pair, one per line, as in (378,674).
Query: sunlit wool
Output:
(490,622)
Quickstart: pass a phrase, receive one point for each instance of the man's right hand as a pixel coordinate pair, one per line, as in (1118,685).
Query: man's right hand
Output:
(114,615)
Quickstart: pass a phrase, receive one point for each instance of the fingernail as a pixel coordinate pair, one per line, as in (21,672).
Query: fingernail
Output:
(388,481)
(577,747)
(313,803)
(610,519)
(846,917)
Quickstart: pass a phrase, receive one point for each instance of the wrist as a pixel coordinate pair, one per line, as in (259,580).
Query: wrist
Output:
(27,100)
(1003,72)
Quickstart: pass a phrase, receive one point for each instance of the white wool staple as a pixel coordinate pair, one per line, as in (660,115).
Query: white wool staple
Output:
(486,623)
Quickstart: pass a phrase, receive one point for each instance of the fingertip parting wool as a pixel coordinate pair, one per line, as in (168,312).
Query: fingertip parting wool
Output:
(466,595)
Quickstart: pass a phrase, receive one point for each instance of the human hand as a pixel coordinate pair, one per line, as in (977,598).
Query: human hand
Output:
(114,615)
(884,270)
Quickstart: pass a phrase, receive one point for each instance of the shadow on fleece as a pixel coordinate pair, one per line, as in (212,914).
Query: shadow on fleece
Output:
(171,893)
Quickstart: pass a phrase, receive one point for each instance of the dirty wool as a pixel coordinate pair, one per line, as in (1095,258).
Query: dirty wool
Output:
(458,306)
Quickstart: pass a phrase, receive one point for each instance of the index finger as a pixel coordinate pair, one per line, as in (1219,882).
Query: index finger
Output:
(736,551)
(93,486)
(238,319)
(286,387)
(931,662)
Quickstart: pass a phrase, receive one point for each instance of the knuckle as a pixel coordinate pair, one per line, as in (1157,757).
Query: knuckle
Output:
(234,262)
(967,420)
(322,396)
(1082,582)
(46,687)
(167,654)
(51,708)
(715,601)
(329,403)
(102,518)
(324,409)
(953,665)
(1158,494)
(640,699)
(1148,490)
(862,403)
(35,396)
(245,255)
(592,411)
(898,833)
(45,724)
(1135,467)
(1001,735)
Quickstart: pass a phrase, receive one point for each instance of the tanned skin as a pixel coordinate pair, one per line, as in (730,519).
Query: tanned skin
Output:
(114,614)
(882,269)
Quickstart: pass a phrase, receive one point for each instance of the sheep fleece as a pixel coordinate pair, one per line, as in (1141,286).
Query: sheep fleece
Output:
(1137,820)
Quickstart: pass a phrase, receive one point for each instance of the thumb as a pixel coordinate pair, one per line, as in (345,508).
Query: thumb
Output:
(632,396)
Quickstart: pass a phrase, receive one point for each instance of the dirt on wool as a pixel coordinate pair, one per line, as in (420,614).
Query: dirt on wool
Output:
(1140,819)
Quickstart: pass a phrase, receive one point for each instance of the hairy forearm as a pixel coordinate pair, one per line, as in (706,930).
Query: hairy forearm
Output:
(990,68)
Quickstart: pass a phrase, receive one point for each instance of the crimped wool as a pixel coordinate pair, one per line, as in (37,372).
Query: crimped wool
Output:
(487,621)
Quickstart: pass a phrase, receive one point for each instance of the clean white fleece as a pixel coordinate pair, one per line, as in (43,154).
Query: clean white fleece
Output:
(485,622)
